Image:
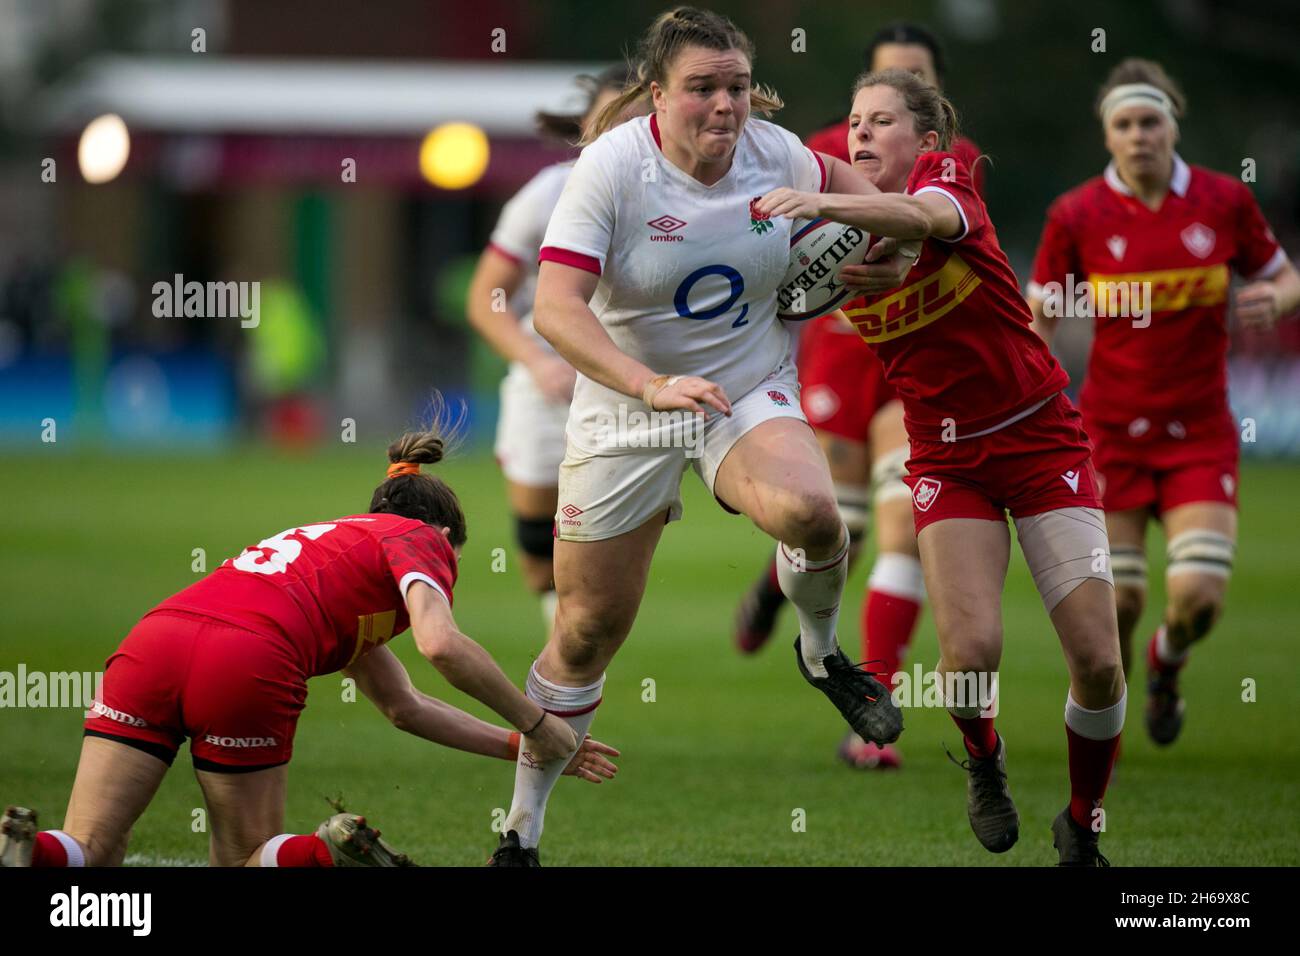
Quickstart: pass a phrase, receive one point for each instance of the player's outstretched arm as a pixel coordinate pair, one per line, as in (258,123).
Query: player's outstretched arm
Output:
(497,276)
(562,317)
(383,679)
(885,214)
(471,670)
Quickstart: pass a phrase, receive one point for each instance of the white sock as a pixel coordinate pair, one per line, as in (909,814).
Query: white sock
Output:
(549,601)
(1096,724)
(576,706)
(898,575)
(271,849)
(1165,651)
(76,855)
(815,589)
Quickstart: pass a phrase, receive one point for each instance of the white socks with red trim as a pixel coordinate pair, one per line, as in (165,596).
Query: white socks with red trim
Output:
(576,706)
(815,589)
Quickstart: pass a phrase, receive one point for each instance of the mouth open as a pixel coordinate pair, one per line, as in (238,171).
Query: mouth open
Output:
(863,155)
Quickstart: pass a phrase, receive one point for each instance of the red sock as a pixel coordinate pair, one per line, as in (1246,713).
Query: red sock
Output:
(1091,762)
(305,850)
(774,582)
(1153,657)
(981,738)
(887,624)
(48,851)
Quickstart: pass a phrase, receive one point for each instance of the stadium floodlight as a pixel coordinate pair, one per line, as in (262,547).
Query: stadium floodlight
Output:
(104,147)
(454,155)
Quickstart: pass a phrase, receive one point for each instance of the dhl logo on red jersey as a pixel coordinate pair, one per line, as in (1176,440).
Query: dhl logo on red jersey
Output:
(917,305)
(1172,290)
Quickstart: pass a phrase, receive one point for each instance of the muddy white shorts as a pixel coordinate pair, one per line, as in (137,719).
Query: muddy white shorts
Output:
(530,431)
(635,470)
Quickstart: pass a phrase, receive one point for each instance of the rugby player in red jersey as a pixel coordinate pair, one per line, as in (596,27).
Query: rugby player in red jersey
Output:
(1162,237)
(859,424)
(990,432)
(225,662)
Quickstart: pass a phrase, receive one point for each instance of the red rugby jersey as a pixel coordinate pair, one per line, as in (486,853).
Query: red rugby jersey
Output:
(955,338)
(335,589)
(1100,232)
(833,140)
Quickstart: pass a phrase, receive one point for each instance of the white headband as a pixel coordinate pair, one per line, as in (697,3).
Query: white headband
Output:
(1137,94)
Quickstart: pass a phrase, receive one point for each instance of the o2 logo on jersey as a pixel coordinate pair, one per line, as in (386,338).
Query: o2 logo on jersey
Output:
(681,297)
(273,555)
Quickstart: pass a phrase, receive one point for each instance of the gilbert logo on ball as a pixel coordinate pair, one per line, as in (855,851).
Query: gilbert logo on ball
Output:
(819,249)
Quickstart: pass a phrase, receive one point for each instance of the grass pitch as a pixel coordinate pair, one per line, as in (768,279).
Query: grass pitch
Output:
(716,768)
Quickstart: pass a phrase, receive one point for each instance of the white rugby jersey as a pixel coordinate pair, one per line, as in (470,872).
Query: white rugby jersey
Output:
(519,232)
(688,273)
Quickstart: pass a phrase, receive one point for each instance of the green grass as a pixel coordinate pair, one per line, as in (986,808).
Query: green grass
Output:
(714,768)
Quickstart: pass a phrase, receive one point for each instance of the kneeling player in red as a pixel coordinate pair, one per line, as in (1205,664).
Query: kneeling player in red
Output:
(1155,397)
(225,663)
(990,432)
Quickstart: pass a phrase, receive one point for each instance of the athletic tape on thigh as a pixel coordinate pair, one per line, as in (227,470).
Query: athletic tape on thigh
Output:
(536,536)
(853,501)
(1129,565)
(1064,548)
(887,475)
(1200,552)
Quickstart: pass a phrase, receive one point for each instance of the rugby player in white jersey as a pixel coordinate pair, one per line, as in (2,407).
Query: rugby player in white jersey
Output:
(536,391)
(682,363)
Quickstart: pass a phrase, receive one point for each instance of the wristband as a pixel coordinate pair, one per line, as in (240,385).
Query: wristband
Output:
(512,744)
(655,386)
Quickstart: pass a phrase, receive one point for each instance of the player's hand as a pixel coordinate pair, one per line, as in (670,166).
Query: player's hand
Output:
(589,762)
(690,393)
(1256,304)
(554,378)
(885,267)
(792,203)
(552,740)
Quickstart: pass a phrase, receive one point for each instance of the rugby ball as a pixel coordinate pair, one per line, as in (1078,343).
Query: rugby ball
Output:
(819,249)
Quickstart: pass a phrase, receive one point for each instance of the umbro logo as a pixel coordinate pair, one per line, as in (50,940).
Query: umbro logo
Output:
(666,225)
(1071,478)
(570,511)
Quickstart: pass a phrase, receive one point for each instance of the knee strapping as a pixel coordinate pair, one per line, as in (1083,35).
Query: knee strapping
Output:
(1200,552)
(536,536)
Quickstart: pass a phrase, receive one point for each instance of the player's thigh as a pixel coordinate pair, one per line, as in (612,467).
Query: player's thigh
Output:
(532,501)
(849,461)
(1127,532)
(965,564)
(114,784)
(895,526)
(599,585)
(244,811)
(777,476)
(887,430)
(1200,537)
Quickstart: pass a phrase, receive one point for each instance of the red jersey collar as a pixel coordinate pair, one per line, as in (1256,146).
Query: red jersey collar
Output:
(1178,182)
(654,131)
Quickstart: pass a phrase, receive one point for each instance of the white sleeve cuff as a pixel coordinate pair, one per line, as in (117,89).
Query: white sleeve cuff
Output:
(1271,268)
(412,576)
(965,226)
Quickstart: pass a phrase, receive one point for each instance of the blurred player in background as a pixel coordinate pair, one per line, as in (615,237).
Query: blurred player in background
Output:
(536,392)
(225,662)
(1155,397)
(859,423)
(990,432)
(657,230)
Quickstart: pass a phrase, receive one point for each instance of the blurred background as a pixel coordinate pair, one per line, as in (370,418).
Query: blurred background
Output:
(289,143)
